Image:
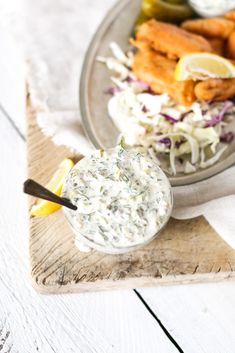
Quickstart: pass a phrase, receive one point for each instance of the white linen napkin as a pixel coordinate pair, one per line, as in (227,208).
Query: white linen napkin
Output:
(57,33)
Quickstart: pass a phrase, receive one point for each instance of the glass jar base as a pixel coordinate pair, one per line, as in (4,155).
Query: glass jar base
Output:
(81,246)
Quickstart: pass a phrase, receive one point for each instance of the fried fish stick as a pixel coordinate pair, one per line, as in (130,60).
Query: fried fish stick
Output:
(230,50)
(218,45)
(171,40)
(232,61)
(215,89)
(230,15)
(210,27)
(158,72)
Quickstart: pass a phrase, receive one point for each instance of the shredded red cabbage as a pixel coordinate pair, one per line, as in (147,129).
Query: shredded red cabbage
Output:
(135,80)
(217,119)
(183,115)
(166,141)
(113,90)
(169,118)
(178,143)
(145,109)
(227,137)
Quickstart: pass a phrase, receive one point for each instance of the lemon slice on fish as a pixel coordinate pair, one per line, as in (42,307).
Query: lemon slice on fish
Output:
(43,207)
(202,66)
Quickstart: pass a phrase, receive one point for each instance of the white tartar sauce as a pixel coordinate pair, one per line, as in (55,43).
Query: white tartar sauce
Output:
(122,196)
(208,8)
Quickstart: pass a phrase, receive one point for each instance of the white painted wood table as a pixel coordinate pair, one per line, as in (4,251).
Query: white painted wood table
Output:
(190,318)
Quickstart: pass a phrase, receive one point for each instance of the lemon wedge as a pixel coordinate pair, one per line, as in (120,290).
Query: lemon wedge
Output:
(43,207)
(201,66)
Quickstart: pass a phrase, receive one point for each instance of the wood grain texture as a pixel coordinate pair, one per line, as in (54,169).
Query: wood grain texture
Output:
(81,323)
(186,251)
(200,317)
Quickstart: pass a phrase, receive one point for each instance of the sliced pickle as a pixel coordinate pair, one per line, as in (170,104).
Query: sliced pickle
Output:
(169,11)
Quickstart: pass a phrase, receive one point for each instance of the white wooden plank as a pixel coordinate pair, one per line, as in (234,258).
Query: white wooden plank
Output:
(199,317)
(86,323)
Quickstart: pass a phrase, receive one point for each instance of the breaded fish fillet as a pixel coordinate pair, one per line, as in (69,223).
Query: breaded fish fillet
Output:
(219,89)
(171,40)
(230,15)
(218,45)
(158,72)
(230,50)
(210,27)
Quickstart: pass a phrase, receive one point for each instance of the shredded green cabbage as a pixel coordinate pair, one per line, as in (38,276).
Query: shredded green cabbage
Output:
(182,139)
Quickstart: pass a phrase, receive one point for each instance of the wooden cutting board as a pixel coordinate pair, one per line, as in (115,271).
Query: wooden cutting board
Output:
(186,251)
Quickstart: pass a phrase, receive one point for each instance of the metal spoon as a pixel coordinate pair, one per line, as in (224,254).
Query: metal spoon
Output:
(31,187)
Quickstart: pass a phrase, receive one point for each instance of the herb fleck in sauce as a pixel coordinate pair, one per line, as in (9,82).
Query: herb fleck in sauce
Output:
(123,197)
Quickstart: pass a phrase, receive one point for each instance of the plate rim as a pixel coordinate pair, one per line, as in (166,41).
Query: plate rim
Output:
(94,44)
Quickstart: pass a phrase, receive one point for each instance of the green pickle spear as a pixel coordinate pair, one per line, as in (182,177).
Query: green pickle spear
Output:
(174,11)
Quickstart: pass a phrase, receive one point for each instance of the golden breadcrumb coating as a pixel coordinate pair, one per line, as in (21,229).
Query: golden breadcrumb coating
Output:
(210,27)
(219,89)
(170,39)
(158,72)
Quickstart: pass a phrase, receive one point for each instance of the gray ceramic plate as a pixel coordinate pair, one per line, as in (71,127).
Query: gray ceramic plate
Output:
(117,26)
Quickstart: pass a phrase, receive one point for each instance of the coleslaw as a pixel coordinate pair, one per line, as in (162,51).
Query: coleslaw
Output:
(181,139)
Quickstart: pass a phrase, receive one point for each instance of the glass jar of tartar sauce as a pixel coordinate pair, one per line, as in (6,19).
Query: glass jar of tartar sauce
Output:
(123,200)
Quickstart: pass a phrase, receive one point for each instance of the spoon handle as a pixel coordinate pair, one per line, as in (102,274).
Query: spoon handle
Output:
(31,187)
